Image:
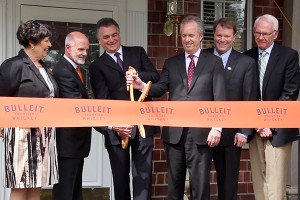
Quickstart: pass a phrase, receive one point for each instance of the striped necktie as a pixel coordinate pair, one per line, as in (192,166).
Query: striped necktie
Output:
(191,70)
(262,65)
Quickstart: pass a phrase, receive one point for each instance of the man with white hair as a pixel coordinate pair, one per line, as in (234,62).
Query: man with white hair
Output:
(73,143)
(278,80)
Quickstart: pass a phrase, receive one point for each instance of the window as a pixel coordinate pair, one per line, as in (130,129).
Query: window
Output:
(212,10)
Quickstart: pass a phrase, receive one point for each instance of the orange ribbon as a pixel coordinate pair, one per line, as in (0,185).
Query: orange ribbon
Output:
(39,112)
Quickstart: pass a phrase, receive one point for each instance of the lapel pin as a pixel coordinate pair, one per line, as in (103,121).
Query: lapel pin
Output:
(229,68)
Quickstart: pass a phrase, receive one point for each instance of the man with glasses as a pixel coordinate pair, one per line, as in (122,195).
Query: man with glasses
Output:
(278,80)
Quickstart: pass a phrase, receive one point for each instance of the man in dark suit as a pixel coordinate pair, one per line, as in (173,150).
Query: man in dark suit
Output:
(240,80)
(278,80)
(73,144)
(108,82)
(194,75)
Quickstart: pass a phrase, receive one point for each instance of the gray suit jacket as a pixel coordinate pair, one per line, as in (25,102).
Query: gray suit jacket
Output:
(208,84)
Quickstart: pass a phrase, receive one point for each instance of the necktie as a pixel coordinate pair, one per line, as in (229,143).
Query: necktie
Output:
(119,61)
(79,73)
(262,65)
(191,70)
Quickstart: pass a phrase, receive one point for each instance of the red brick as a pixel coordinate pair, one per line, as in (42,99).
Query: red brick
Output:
(159,166)
(192,8)
(153,40)
(213,189)
(156,155)
(246,197)
(242,188)
(244,165)
(157,28)
(160,5)
(151,5)
(245,154)
(167,40)
(160,52)
(158,144)
(161,179)
(247,176)
(161,190)
(154,17)
(213,197)
(250,188)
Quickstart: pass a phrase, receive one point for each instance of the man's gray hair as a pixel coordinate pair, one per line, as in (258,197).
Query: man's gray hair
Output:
(199,22)
(268,18)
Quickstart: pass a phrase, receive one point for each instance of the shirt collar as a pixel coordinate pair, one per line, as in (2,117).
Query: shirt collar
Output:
(197,53)
(113,54)
(70,61)
(269,49)
(226,54)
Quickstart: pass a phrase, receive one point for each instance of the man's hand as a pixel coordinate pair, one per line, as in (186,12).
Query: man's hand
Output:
(213,138)
(123,131)
(135,80)
(239,141)
(264,132)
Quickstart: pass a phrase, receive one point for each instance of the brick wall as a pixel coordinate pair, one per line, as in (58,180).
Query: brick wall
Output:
(161,47)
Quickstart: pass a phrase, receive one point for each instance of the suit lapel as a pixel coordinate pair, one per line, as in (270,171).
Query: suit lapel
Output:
(72,70)
(126,58)
(109,61)
(275,54)
(199,67)
(230,65)
(182,69)
(35,70)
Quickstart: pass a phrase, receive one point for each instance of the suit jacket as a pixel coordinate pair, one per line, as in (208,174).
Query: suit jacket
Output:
(281,83)
(208,84)
(19,77)
(74,142)
(241,85)
(108,82)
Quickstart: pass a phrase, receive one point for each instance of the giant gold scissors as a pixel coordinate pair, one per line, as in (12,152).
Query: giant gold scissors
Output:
(142,97)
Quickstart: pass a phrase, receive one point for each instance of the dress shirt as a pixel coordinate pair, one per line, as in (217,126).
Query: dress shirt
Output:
(70,61)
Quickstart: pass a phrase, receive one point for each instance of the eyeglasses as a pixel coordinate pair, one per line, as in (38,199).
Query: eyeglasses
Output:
(265,35)
(35,24)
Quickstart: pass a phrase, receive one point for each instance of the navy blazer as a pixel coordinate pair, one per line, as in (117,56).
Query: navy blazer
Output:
(281,83)
(241,85)
(108,82)
(208,84)
(19,77)
(73,142)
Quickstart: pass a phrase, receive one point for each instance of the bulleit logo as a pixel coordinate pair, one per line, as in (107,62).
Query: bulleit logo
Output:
(272,113)
(215,113)
(89,112)
(23,112)
(157,113)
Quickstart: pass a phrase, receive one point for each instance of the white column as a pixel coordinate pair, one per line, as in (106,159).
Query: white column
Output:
(4,193)
(137,18)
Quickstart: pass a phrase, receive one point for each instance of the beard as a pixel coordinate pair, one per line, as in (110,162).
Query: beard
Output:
(78,60)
